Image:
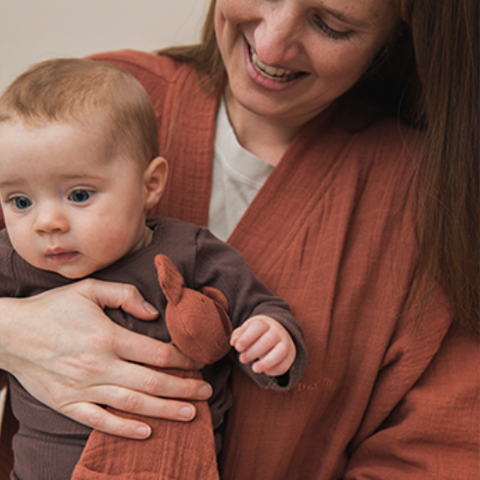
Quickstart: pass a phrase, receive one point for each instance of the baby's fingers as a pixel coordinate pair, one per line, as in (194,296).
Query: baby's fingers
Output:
(276,362)
(245,336)
(258,349)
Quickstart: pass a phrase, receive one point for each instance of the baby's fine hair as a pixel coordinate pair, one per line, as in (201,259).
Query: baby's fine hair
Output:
(78,89)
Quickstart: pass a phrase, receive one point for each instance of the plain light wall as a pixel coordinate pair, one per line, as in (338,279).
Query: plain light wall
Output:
(35,30)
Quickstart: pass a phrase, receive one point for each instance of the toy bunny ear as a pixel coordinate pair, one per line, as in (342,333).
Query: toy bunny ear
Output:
(197,321)
(169,279)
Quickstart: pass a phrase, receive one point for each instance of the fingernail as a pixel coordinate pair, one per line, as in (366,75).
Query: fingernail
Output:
(187,412)
(150,308)
(143,432)
(205,391)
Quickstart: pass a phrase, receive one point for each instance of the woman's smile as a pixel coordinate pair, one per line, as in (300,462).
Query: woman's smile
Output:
(288,60)
(273,73)
(269,77)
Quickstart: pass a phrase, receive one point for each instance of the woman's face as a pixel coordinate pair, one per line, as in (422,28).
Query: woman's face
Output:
(289,59)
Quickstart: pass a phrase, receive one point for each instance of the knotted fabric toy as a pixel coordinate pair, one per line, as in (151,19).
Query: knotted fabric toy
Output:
(199,326)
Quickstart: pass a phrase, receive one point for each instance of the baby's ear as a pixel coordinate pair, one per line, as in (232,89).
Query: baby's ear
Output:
(155,179)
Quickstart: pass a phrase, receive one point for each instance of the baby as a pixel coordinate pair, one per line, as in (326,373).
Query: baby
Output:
(79,170)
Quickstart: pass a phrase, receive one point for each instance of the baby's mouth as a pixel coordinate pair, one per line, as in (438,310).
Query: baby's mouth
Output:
(61,255)
(273,73)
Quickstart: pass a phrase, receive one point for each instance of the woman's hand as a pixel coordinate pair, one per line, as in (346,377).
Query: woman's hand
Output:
(69,355)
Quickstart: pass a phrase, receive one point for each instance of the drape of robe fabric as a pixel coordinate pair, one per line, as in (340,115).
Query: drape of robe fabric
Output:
(200,327)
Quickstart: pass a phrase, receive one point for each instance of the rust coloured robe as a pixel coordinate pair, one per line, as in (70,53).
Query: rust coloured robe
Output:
(331,231)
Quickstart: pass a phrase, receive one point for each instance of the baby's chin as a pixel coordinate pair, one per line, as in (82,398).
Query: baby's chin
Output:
(72,272)
(71,265)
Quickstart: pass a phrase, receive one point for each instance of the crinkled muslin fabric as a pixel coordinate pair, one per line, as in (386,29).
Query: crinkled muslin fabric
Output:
(199,324)
(332,232)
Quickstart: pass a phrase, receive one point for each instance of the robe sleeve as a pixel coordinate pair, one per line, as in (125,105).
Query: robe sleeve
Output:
(433,432)
(220,266)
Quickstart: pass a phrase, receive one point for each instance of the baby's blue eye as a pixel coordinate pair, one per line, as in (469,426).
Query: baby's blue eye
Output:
(22,203)
(80,196)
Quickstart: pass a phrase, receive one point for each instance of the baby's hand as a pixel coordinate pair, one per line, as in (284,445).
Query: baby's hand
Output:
(263,338)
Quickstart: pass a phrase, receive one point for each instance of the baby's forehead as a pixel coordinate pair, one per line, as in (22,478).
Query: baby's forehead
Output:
(95,125)
(95,119)
(54,135)
(43,152)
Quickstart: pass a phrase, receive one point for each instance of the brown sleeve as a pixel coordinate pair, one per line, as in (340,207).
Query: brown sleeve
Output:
(7,277)
(220,266)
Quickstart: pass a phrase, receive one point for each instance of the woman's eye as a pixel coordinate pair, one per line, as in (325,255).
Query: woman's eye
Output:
(22,203)
(330,32)
(80,196)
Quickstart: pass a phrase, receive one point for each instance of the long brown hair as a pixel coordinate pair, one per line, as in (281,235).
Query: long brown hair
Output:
(446,45)
(433,72)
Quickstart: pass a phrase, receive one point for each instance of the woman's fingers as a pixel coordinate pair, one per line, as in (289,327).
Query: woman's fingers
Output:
(117,295)
(129,345)
(101,419)
(142,349)
(69,355)
(145,381)
(96,417)
(134,401)
(129,387)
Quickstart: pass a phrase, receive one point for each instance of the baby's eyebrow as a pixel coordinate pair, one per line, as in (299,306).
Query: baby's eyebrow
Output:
(67,176)
(79,176)
(8,183)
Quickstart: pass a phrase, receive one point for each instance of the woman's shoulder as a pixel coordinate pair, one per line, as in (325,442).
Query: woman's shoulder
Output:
(371,128)
(392,131)
(389,140)
(384,146)
(146,67)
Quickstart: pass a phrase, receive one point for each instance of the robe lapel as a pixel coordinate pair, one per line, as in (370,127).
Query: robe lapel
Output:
(186,134)
(296,185)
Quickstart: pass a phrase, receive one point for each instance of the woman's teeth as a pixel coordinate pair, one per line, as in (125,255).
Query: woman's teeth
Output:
(273,73)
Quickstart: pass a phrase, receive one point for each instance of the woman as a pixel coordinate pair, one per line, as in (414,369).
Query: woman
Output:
(391,390)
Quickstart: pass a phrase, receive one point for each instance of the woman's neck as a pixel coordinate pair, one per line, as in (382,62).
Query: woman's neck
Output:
(262,136)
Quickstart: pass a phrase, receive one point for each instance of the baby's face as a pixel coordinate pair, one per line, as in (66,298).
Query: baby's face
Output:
(70,207)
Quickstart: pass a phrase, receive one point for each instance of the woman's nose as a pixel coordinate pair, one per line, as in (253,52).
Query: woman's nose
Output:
(278,36)
(51,219)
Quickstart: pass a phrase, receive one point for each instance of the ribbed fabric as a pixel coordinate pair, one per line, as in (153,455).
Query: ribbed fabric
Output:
(181,259)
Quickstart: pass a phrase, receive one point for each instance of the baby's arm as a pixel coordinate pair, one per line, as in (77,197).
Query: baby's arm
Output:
(265,339)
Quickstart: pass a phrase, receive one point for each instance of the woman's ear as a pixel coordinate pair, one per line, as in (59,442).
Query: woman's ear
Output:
(155,178)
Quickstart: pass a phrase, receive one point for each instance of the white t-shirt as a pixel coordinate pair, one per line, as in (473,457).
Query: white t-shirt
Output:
(238,175)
